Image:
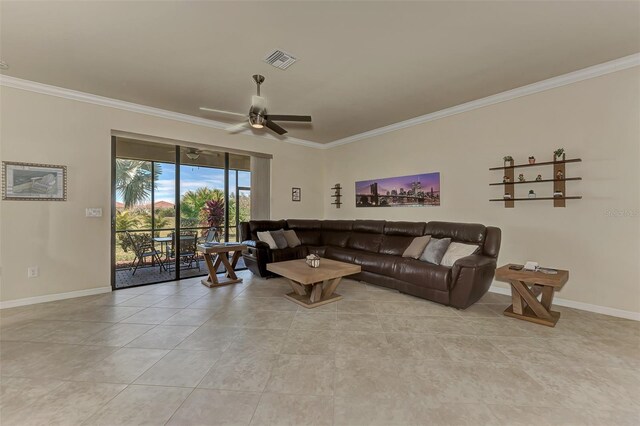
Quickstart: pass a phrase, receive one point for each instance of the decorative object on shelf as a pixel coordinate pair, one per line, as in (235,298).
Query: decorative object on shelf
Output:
(532,194)
(33,182)
(313,260)
(296,194)
(532,159)
(508,161)
(336,194)
(557,177)
(559,154)
(414,190)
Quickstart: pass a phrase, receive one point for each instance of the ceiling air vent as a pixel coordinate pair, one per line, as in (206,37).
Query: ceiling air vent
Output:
(280,59)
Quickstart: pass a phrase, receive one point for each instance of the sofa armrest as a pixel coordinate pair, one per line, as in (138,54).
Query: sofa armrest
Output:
(256,244)
(474,261)
(471,278)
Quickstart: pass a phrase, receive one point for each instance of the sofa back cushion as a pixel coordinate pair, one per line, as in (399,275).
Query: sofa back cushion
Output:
(256,226)
(408,229)
(308,231)
(394,245)
(336,232)
(367,235)
(470,233)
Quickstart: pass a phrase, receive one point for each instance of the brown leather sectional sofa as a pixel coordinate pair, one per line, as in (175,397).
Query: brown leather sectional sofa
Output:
(377,246)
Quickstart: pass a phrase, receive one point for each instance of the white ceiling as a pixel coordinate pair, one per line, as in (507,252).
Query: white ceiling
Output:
(361,65)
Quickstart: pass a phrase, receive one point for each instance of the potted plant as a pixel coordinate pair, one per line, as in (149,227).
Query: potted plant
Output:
(521,178)
(532,159)
(532,194)
(558,154)
(558,193)
(507,195)
(508,161)
(539,178)
(506,179)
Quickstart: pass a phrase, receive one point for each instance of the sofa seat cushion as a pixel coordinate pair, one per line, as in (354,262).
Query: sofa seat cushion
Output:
(422,274)
(340,254)
(381,264)
(319,250)
(289,253)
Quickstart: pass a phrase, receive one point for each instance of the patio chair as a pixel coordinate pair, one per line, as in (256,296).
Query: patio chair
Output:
(143,248)
(212,236)
(188,249)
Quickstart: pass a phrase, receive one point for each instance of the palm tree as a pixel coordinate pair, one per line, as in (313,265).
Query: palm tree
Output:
(133,180)
(192,205)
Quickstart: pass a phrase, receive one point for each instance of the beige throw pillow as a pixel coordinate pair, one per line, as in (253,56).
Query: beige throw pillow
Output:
(457,251)
(416,247)
(267,238)
(292,238)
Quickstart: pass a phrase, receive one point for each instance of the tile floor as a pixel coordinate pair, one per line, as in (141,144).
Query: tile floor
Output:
(183,354)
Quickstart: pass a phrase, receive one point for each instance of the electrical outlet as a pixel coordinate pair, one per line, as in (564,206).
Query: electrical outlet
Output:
(32,272)
(93,212)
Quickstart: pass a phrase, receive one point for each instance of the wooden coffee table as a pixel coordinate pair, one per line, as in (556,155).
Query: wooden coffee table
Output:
(526,286)
(220,251)
(313,286)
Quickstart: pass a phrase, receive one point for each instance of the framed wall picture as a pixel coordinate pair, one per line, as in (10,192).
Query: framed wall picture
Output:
(33,182)
(295,194)
(409,191)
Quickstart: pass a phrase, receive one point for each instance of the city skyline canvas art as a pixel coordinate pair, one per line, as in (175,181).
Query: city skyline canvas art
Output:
(402,191)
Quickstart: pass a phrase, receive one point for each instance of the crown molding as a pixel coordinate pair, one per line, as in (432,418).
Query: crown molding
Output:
(551,83)
(61,92)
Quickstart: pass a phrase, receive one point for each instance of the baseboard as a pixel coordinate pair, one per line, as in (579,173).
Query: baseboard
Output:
(53,297)
(580,305)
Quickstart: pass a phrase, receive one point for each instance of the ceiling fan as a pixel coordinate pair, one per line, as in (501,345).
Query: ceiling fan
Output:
(258,116)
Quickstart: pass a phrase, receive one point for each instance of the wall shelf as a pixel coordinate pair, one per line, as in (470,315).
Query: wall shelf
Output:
(545,163)
(558,169)
(536,181)
(537,198)
(336,194)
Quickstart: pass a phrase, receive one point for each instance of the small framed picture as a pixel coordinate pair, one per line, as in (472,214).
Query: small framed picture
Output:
(295,194)
(33,182)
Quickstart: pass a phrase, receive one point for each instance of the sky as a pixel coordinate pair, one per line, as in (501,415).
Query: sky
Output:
(192,178)
(428,180)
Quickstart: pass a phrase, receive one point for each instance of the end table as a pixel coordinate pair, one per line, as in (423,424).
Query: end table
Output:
(526,286)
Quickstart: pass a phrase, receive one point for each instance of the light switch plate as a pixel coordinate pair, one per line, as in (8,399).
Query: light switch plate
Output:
(93,212)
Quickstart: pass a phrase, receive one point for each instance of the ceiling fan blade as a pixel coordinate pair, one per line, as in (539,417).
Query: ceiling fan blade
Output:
(219,111)
(303,118)
(273,126)
(238,127)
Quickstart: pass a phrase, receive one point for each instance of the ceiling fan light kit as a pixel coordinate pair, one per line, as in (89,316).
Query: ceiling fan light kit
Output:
(258,117)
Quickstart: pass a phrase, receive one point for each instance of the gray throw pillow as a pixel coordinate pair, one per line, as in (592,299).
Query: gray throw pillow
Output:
(417,246)
(279,238)
(292,238)
(435,250)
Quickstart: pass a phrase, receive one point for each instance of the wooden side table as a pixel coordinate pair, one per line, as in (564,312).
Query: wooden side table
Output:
(526,286)
(219,251)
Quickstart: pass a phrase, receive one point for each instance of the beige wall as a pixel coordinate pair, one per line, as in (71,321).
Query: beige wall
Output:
(72,251)
(597,120)
(597,238)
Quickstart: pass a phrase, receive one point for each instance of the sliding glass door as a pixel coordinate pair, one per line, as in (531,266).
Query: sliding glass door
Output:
(167,200)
